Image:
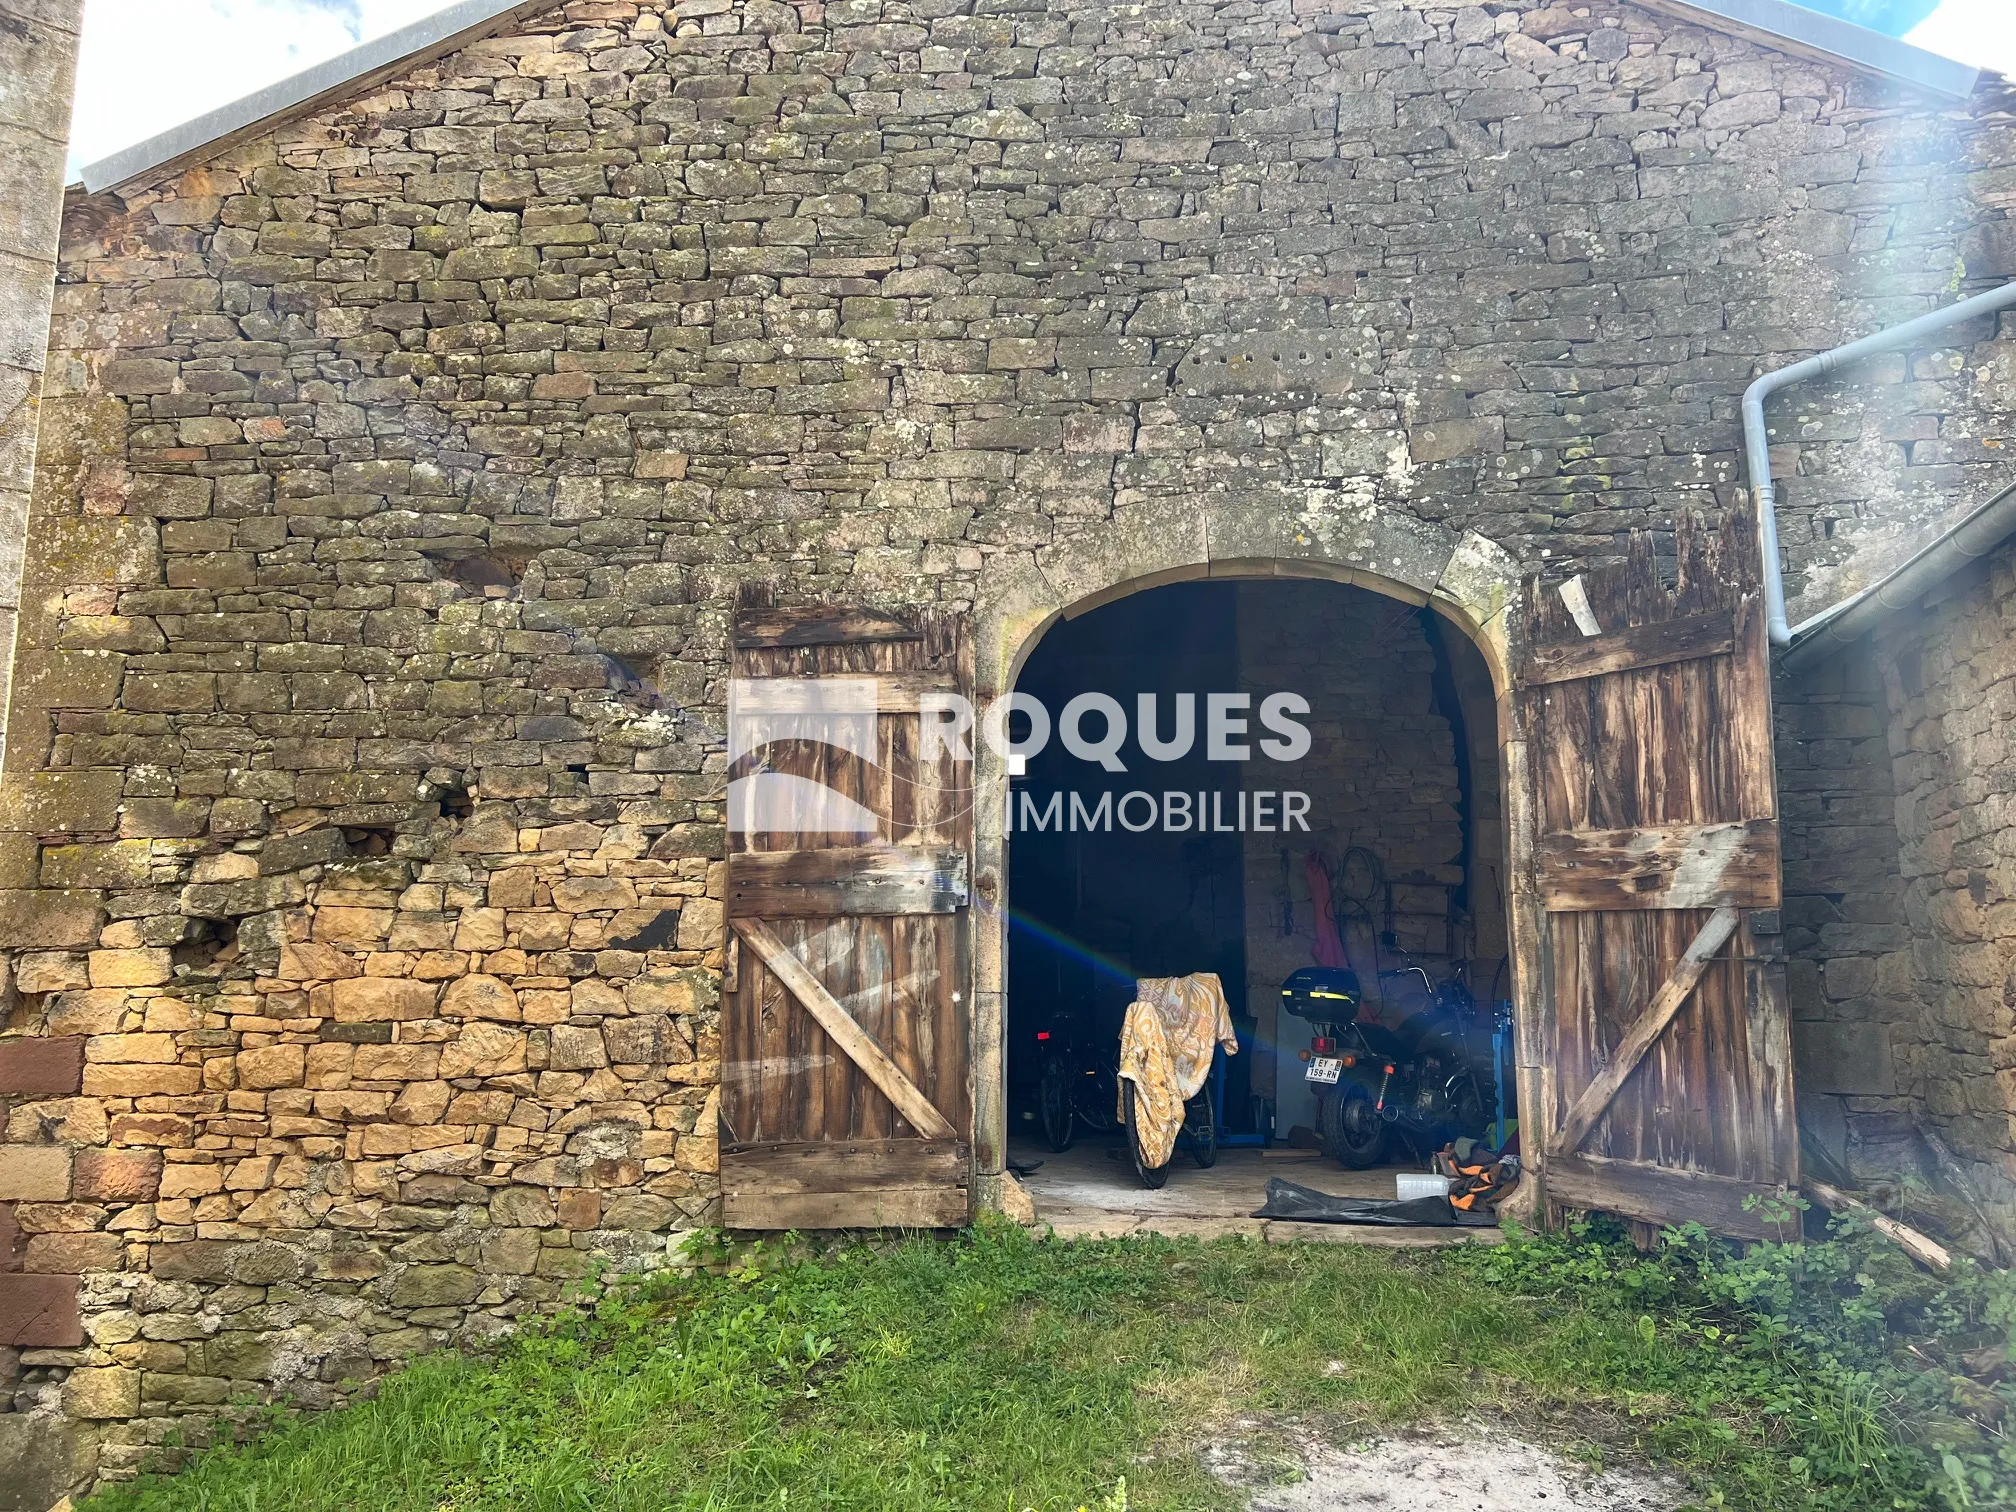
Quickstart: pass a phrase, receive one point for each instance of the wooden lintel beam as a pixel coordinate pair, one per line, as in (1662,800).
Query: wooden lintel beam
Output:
(857,1043)
(1639,1038)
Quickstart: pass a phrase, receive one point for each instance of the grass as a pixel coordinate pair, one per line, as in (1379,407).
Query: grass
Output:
(1002,1372)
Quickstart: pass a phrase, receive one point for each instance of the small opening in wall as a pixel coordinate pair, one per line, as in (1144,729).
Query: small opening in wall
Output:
(371,840)
(209,943)
(455,802)
(484,574)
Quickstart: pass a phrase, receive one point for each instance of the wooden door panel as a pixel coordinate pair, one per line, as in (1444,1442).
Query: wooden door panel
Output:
(1657,873)
(846,1060)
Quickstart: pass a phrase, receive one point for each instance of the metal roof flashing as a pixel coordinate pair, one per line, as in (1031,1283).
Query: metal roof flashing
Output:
(1793,28)
(370,63)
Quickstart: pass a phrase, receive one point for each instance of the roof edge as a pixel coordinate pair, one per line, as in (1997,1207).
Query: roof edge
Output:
(1770,23)
(369,63)
(1786,27)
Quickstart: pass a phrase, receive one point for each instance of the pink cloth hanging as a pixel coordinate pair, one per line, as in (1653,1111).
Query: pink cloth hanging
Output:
(1329,948)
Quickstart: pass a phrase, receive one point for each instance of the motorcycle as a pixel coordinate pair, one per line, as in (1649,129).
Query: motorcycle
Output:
(1077,1087)
(1417,1083)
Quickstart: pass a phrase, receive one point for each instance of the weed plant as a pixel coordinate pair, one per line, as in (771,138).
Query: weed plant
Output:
(1888,1386)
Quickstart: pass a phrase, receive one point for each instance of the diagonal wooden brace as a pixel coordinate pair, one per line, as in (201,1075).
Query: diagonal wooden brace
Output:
(860,1046)
(1602,1090)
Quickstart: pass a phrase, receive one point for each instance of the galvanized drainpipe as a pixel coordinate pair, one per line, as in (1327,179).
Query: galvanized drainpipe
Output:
(1757,445)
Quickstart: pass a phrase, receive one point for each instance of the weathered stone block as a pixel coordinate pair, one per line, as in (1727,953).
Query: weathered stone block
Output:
(477,263)
(144,1079)
(483,1049)
(700,924)
(102,1392)
(39,1312)
(57,801)
(52,1067)
(170,692)
(594,894)
(116,1175)
(70,551)
(73,1254)
(130,968)
(397,1063)
(50,971)
(68,679)
(119,865)
(577,1048)
(34,1173)
(480,997)
(361,1000)
(272,1066)
(436,1286)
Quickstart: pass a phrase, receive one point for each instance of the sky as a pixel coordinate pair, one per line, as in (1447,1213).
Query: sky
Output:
(148,65)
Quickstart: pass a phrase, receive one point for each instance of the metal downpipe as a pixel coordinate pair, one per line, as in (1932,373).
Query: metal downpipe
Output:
(1757,445)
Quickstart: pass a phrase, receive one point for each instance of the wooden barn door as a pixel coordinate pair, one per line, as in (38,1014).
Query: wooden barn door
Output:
(846,1098)
(1664,1042)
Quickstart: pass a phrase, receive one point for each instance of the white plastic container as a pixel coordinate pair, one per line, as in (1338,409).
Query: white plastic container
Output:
(1409,1185)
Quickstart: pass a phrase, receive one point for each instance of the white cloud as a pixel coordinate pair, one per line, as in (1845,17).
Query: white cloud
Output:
(1980,32)
(148,65)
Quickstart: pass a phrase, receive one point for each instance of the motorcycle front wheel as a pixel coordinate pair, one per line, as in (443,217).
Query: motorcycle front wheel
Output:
(1353,1130)
(1054,1095)
(1152,1177)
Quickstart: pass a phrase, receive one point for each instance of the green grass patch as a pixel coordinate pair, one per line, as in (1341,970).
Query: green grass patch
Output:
(1003,1372)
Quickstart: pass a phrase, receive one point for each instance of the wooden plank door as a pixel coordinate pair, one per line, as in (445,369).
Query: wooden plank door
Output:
(1664,1043)
(846,1099)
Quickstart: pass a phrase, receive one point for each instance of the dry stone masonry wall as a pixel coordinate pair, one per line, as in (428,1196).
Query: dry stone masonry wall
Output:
(360,833)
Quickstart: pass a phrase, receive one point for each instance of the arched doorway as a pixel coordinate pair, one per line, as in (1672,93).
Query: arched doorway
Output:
(1469,582)
(1250,737)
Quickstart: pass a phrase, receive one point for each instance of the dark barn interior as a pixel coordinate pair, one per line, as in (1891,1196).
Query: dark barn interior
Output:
(1402,806)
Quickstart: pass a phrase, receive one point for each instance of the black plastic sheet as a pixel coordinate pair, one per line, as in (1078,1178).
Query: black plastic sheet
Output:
(1294,1203)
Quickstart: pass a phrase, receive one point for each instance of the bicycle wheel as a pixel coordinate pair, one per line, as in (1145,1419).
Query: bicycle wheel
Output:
(1151,1176)
(1200,1122)
(1054,1094)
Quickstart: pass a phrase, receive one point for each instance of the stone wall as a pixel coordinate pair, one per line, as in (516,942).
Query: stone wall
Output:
(359,830)
(1895,768)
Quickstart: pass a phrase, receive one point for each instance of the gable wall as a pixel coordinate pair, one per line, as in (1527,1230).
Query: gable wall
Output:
(319,838)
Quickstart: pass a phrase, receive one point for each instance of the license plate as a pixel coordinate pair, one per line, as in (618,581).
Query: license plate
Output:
(1324,1068)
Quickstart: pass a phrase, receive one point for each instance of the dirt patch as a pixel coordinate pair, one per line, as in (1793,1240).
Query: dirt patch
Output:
(1472,1468)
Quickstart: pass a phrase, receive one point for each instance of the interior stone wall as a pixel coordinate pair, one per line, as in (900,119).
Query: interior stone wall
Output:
(1381,773)
(359,823)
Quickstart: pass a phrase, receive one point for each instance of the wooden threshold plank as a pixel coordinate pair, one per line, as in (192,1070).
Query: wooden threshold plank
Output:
(843,880)
(1660,866)
(857,1043)
(1652,645)
(932,1207)
(1650,1024)
(855,1165)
